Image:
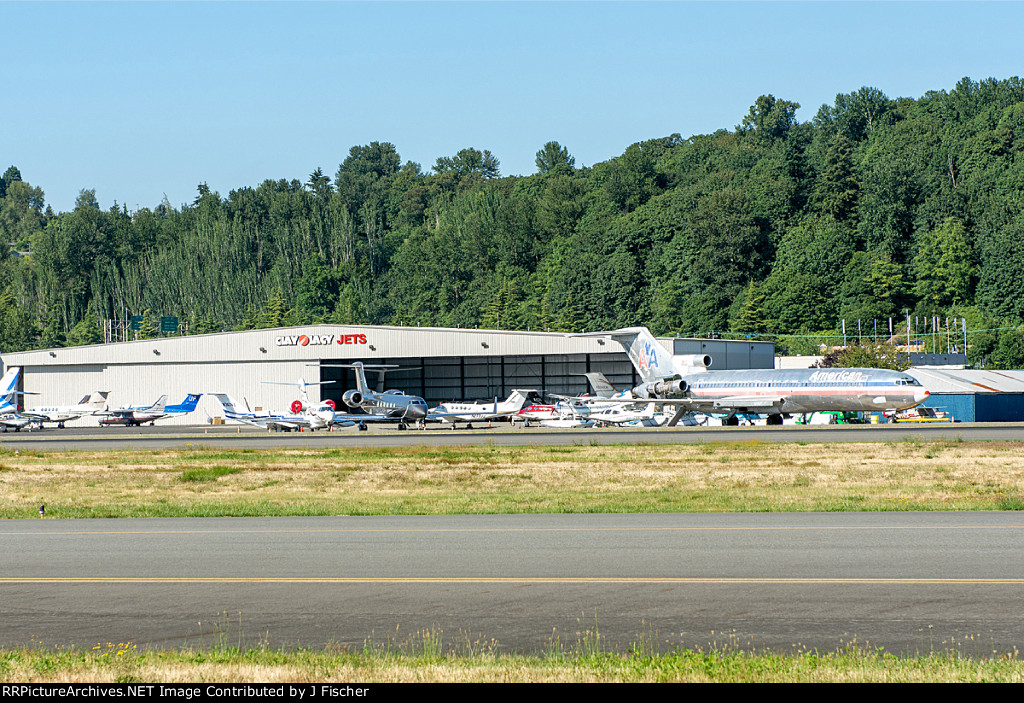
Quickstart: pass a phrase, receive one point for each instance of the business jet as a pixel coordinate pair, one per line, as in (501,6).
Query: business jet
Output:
(60,414)
(304,415)
(482,410)
(138,416)
(686,383)
(380,405)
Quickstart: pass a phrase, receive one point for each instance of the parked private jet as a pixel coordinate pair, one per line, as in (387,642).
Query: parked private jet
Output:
(304,413)
(482,410)
(380,405)
(89,405)
(138,416)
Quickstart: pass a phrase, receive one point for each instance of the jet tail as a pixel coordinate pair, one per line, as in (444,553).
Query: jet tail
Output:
(9,382)
(187,405)
(159,404)
(97,401)
(602,387)
(230,405)
(651,360)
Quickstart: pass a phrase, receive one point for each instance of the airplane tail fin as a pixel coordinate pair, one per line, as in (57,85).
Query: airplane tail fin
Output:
(187,405)
(651,360)
(230,405)
(602,387)
(9,382)
(517,399)
(97,400)
(159,404)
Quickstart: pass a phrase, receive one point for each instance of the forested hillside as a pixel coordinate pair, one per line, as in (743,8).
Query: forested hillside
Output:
(875,208)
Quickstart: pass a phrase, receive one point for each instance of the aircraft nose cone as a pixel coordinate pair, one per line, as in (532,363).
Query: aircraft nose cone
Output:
(921,395)
(417,412)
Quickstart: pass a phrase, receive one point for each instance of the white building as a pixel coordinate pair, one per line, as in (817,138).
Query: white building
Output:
(439,364)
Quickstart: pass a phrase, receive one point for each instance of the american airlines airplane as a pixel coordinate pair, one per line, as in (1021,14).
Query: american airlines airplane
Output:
(687,383)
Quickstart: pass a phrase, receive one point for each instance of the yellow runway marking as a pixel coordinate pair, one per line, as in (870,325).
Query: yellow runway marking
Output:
(506,580)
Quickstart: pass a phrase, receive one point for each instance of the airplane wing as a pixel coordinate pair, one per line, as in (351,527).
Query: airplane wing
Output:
(753,404)
(272,422)
(367,417)
(749,404)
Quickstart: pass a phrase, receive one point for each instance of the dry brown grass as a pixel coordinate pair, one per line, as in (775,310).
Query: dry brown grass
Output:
(427,480)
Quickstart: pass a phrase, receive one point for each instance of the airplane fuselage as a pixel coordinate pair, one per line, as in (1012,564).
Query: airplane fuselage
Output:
(804,390)
(396,405)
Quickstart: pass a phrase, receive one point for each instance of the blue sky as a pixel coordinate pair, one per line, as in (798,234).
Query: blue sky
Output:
(139,100)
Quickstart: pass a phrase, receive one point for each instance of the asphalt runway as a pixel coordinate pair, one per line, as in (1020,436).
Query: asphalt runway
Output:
(500,434)
(908,582)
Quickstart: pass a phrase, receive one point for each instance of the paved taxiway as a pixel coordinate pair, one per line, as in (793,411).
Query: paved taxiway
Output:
(226,436)
(909,582)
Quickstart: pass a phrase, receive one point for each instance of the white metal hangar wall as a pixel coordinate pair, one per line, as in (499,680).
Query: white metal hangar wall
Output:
(263,367)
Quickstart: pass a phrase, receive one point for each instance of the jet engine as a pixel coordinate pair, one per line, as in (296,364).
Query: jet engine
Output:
(353,399)
(694,360)
(330,403)
(297,406)
(664,389)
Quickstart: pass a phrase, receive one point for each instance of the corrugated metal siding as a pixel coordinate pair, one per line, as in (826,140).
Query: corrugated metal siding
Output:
(1000,407)
(960,406)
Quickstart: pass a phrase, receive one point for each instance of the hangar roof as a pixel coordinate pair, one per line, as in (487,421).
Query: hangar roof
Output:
(969,380)
(315,342)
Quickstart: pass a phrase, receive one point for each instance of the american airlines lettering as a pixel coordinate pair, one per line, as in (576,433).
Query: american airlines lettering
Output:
(303,340)
(829,376)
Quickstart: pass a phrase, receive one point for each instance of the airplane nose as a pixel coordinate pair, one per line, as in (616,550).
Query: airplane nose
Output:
(417,412)
(921,395)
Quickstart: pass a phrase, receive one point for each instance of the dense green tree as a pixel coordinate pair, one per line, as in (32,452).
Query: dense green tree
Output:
(944,266)
(86,331)
(874,207)
(837,189)
(769,120)
(553,158)
(868,354)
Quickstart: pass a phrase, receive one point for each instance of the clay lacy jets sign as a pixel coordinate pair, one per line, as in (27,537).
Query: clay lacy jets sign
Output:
(317,340)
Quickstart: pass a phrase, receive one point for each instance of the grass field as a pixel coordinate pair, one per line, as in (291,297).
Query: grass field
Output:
(711,477)
(422,662)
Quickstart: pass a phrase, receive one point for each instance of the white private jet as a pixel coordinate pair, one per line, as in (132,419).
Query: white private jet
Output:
(686,383)
(89,405)
(482,410)
(304,414)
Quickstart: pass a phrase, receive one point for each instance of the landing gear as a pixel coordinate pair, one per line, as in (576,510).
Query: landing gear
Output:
(731,421)
(774,420)
(362,427)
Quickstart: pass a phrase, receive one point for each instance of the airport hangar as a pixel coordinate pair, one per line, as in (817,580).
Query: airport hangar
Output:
(262,367)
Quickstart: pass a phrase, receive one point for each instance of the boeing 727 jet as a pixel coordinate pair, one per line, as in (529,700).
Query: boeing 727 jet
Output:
(686,383)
